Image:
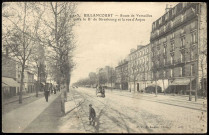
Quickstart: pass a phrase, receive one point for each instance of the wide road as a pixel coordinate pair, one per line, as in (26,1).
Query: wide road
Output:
(124,112)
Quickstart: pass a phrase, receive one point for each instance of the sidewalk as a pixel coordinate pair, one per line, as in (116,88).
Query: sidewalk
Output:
(169,99)
(17,120)
(48,120)
(16,98)
(72,122)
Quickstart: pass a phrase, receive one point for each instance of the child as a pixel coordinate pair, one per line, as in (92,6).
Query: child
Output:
(92,115)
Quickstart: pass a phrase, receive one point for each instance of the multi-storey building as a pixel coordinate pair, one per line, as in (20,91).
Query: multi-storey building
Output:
(177,46)
(122,75)
(139,68)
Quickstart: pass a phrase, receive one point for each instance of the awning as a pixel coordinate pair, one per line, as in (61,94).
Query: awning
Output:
(4,84)
(10,82)
(184,81)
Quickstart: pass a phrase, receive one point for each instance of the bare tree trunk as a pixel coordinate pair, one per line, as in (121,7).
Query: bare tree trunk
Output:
(134,85)
(39,82)
(155,87)
(203,87)
(21,83)
(62,88)
(163,86)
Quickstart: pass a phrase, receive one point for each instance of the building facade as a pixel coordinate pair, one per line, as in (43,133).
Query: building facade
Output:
(10,86)
(122,75)
(139,68)
(176,44)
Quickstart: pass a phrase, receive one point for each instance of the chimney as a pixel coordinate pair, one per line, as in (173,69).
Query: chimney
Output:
(132,50)
(168,8)
(139,46)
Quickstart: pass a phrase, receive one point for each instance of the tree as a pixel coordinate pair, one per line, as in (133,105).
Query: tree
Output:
(58,37)
(134,74)
(19,35)
(93,78)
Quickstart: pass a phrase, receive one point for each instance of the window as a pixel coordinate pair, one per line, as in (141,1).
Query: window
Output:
(157,74)
(183,41)
(192,70)
(174,11)
(180,71)
(171,59)
(166,16)
(153,26)
(164,73)
(171,24)
(192,55)
(164,50)
(171,72)
(193,38)
(182,17)
(182,31)
(160,20)
(172,46)
(172,35)
(181,58)
(164,61)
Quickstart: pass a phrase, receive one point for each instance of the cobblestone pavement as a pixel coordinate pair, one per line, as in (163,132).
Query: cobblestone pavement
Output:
(120,112)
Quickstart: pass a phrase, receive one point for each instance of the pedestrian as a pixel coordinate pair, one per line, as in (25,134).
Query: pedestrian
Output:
(46,93)
(55,90)
(92,115)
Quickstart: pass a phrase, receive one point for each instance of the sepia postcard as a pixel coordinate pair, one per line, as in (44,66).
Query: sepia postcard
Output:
(104,67)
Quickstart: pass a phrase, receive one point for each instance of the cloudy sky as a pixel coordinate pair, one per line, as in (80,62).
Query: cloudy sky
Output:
(106,43)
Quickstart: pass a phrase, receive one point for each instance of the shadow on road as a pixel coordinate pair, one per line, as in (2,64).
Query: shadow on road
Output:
(97,119)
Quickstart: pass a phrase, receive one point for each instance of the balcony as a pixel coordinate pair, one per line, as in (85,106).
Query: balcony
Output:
(193,44)
(172,51)
(180,61)
(182,48)
(172,39)
(177,22)
(165,44)
(168,27)
(183,33)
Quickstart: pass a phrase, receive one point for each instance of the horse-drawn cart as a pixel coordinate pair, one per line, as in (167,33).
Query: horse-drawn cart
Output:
(100,91)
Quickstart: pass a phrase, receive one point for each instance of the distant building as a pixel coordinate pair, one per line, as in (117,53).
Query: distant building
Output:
(122,75)
(177,40)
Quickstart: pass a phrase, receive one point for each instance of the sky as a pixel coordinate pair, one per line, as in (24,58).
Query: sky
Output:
(106,43)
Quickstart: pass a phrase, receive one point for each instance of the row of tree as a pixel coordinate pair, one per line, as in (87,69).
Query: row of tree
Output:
(28,25)
(103,76)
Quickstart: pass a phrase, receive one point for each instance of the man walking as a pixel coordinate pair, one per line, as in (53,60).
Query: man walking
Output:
(92,115)
(46,94)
